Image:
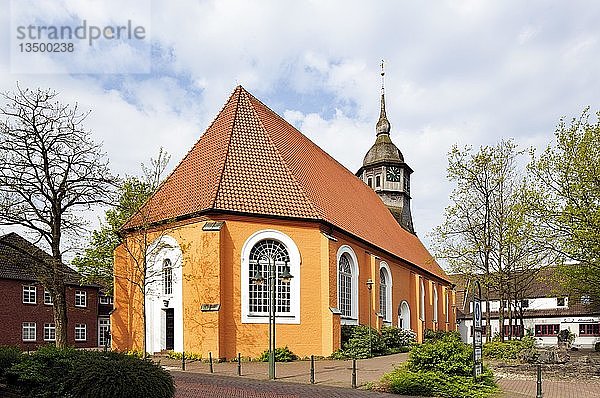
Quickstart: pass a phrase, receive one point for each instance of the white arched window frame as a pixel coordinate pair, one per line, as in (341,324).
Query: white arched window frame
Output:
(422,299)
(167,277)
(164,258)
(404,316)
(385,292)
(349,317)
(435,302)
(293,315)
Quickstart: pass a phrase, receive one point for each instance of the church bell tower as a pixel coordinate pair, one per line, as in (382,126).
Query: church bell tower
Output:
(385,171)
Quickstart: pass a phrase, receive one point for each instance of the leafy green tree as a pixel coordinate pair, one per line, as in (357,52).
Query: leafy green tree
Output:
(565,198)
(96,262)
(486,234)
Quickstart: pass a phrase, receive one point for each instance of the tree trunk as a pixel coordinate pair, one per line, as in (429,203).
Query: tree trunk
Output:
(60,313)
(501,318)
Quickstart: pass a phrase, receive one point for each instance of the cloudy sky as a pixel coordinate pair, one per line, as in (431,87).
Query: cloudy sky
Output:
(466,72)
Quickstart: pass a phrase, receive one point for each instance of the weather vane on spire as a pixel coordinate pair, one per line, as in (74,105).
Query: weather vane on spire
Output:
(383,125)
(382,78)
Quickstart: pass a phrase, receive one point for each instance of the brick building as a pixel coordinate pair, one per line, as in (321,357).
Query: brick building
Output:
(26,307)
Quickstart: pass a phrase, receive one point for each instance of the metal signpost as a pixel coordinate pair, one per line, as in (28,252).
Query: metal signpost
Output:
(477,333)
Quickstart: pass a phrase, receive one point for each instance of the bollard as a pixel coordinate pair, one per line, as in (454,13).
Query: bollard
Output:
(312,369)
(239,364)
(354,373)
(210,362)
(539,382)
(183,360)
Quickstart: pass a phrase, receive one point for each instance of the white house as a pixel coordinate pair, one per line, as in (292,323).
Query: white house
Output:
(546,311)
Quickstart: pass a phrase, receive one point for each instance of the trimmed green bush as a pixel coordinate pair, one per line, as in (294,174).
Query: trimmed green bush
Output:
(8,357)
(282,354)
(358,343)
(511,350)
(435,335)
(446,355)
(363,344)
(188,356)
(441,367)
(405,382)
(429,384)
(69,373)
(397,340)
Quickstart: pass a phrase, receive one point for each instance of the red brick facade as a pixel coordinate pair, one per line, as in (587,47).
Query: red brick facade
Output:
(13,313)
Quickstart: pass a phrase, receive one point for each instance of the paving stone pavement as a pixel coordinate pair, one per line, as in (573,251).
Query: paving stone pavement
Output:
(327,372)
(202,385)
(294,378)
(550,388)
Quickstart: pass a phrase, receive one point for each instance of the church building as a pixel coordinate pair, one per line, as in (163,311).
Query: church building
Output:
(255,203)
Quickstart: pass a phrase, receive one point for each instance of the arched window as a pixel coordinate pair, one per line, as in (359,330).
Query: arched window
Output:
(422,301)
(263,251)
(385,292)
(267,256)
(435,303)
(167,276)
(345,286)
(404,316)
(347,281)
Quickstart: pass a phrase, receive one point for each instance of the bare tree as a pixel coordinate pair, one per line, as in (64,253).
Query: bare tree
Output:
(50,169)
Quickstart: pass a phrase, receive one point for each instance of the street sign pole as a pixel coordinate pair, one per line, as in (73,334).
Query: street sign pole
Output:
(477,333)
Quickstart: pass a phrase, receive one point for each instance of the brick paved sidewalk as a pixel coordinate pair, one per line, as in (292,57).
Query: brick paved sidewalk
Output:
(327,372)
(202,385)
(338,374)
(550,388)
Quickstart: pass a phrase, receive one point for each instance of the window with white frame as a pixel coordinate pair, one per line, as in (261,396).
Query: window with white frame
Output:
(385,292)
(266,256)
(422,300)
(80,298)
(80,332)
(29,294)
(263,251)
(435,303)
(103,331)
(106,300)
(347,285)
(29,331)
(48,298)
(49,332)
(167,276)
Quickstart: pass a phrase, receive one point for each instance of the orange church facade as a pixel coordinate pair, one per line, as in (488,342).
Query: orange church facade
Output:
(254,192)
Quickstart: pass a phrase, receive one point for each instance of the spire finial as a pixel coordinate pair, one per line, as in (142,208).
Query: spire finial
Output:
(382,79)
(383,125)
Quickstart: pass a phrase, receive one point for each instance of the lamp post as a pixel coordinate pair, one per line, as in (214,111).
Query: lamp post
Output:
(258,279)
(370,284)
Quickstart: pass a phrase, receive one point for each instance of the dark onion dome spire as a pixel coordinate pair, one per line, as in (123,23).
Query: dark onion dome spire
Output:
(383,149)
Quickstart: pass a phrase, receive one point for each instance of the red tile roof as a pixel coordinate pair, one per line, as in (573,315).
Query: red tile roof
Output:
(252,161)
